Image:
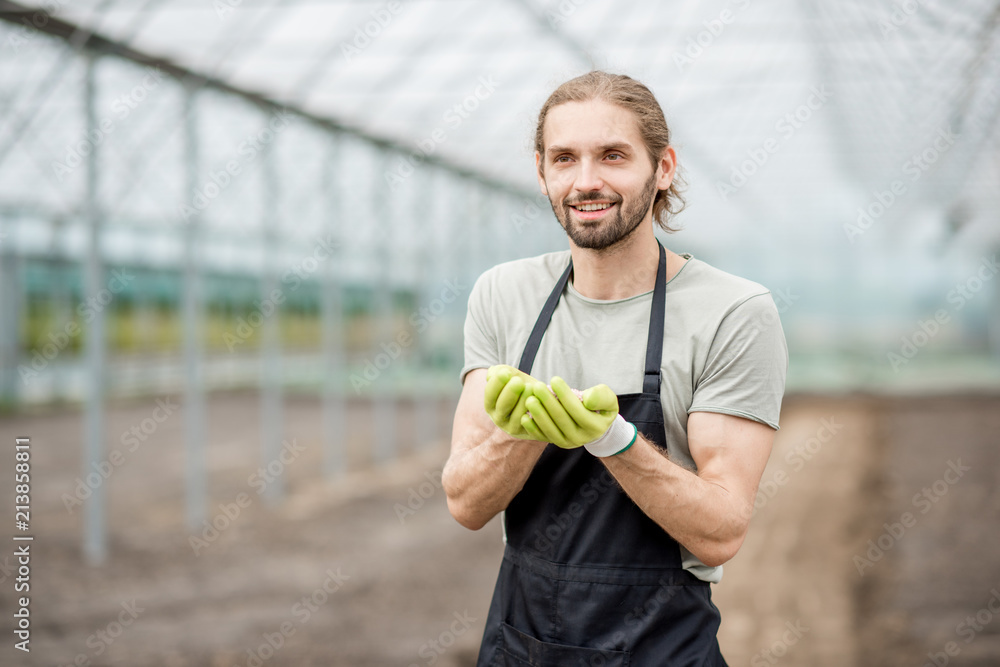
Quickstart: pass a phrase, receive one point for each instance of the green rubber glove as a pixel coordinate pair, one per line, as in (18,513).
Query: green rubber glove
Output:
(565,420)
(507,391)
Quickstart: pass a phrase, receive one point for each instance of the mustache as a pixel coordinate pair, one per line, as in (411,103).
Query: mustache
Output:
(593,196)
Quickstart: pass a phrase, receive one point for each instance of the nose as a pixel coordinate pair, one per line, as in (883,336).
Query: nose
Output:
(588,178)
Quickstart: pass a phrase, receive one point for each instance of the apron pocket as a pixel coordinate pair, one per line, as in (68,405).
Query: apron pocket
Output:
(520,650)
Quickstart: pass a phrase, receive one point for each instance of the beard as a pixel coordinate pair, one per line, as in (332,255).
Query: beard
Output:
(606,233)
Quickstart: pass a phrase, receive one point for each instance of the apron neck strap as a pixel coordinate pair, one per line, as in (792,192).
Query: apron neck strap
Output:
(542,323)
(657,314)
(654,342)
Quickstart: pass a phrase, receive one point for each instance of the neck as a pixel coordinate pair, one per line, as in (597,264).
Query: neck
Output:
(623,270)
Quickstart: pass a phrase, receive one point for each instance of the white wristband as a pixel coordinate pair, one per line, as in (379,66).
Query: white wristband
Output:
(620,436)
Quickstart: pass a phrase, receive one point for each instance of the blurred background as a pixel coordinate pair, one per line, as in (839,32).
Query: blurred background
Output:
(237,238)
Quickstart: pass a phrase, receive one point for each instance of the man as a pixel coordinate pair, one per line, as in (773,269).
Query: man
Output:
(619,505)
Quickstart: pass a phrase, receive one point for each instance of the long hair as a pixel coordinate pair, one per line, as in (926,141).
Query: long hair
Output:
(629,94)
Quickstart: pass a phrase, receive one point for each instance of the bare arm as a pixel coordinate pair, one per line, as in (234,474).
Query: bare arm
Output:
(487,467)
(708,512)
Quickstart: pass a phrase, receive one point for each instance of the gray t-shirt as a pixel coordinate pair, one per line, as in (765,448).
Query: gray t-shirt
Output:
(723,347)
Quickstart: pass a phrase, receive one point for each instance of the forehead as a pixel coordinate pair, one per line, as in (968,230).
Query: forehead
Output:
(590,124)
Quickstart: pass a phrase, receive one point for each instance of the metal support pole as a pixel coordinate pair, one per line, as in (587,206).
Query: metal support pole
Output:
(10,316)
(993,325)
(469,234)
(426,195)
(62,302)
(335,414)
(384,396)
(271,412)
(474,232)
(193,327)
(505,241)
(95,530)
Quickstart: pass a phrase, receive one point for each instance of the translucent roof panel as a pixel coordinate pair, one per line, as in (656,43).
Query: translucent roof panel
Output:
(727,71)
(788,119)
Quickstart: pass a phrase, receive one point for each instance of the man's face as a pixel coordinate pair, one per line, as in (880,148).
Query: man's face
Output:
(597,173)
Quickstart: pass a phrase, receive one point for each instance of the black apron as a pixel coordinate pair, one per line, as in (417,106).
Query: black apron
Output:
(587,578)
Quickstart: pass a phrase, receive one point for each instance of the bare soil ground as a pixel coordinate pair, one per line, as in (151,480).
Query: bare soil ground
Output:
(341,574)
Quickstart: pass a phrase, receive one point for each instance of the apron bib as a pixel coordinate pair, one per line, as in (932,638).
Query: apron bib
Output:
(587,578)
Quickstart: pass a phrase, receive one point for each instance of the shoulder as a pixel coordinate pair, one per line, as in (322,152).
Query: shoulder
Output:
(718,291)
(521,278)
(506,298)
(548,265)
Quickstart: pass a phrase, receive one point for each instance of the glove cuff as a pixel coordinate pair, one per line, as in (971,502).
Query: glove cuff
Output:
(619,437)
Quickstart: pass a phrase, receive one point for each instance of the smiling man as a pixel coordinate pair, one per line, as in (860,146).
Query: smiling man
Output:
(619,503)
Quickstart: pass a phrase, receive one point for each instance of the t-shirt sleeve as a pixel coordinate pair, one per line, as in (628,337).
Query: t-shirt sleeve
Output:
(747,362)
(480,333)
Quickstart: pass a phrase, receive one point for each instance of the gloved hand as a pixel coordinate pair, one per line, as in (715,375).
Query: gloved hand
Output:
(591,421)
(507,390)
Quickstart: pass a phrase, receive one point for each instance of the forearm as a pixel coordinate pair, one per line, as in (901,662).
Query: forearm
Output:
(481,480)
(703,516)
